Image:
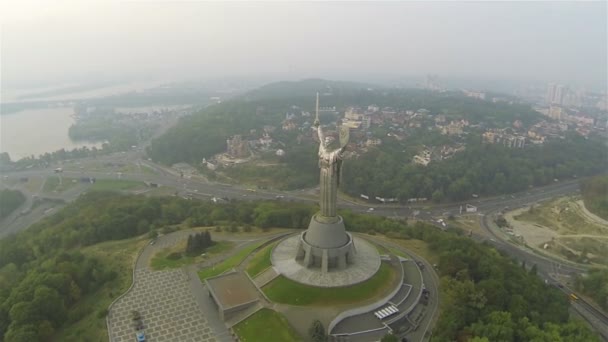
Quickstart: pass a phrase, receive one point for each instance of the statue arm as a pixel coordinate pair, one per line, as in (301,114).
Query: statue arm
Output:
(321,135)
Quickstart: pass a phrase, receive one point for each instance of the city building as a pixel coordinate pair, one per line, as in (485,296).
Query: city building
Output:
(423,158)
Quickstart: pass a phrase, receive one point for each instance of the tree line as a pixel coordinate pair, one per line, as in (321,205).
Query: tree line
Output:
(198,243)
(481,169)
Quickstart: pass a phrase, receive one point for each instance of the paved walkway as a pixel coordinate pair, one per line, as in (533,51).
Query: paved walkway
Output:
(209,308)
(168,308)
(174,304)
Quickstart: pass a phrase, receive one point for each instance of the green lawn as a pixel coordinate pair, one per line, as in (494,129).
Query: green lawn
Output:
(229,263)
(52,184)
(115,185)
(161,261)
(261,260)
(268,326)
(283,290)
(91,325)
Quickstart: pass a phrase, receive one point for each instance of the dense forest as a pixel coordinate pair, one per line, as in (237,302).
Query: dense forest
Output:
(480,169)
(43,275)
(594,191)
(489,297)
(594,284)
(9,201)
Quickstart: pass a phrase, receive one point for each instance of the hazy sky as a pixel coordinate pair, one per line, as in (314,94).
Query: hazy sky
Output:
(55,41)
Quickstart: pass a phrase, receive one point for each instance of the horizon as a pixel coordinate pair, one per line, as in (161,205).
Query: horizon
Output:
(126,41)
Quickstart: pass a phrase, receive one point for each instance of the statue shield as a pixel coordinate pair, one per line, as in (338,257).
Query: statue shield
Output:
(344,136)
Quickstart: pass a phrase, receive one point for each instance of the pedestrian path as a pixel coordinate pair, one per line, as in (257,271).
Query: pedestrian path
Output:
(168,309)
(265,277)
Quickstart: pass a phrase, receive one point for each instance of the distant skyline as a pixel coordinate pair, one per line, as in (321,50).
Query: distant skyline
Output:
(50,42)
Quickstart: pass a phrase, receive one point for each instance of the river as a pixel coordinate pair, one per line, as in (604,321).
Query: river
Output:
(37,131)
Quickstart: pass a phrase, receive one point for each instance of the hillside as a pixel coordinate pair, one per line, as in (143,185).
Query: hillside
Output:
(401,124)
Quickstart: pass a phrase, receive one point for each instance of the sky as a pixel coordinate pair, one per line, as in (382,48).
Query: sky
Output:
(52,42)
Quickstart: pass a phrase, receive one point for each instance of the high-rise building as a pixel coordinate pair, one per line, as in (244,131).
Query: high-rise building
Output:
(550,93)
(556,94)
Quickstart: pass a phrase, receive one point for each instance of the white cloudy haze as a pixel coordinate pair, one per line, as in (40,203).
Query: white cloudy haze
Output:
(54,41)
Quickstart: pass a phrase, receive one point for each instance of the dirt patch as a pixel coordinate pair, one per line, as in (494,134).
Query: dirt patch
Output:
(533,234)
(564,228)
(469,223)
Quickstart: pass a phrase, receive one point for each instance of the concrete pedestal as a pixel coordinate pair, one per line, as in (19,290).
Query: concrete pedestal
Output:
(355,268)
(325,244)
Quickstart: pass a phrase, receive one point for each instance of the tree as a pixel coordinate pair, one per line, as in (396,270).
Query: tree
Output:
(317,331)
(233,228)
(190,245)
(207,239)
(437,196)
(45,330)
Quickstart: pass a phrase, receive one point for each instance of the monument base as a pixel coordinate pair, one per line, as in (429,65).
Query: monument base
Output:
(325,244)
(364,264)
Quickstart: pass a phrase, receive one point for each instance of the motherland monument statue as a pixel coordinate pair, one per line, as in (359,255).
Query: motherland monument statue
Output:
(325,243)
(330,163)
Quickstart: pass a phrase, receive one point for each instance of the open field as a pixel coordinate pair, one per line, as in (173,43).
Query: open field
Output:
(564,228)
(266,325)
(286,291)
(90,312)
(164,259)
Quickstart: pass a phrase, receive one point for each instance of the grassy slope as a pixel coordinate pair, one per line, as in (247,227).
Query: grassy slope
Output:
(268,326)
(160,260)
(283,290)
(261,260)
(419,247)
(229,263)
(92,325)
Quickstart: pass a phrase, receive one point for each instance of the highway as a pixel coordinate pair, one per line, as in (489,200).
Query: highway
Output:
(201,188)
